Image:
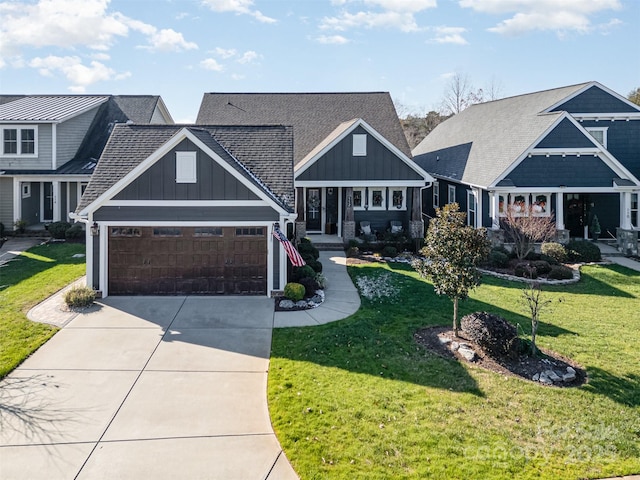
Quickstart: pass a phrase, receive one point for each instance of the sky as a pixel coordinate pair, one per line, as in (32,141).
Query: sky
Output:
(180,49)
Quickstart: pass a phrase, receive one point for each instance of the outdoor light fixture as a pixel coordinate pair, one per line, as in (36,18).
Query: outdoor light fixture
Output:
(95,229)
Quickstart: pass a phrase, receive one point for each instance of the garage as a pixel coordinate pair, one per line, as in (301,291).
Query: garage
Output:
(187,260)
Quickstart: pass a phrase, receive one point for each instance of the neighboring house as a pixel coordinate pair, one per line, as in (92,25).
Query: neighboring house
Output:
(571,152)
(189,210)
(352,163)
(49,147)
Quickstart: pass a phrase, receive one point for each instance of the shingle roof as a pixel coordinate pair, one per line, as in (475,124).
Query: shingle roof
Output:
(498,133)
(262,154)
(314,116)
(137,108)
(48,108)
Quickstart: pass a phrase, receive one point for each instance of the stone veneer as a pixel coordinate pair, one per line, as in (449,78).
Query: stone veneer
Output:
(627,241)
(348,230)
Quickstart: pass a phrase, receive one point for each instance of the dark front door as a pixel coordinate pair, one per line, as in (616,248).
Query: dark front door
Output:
(576,208)
(47,212)
(331,221)
(314,209)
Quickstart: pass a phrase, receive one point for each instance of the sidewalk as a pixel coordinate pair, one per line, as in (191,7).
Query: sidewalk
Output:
(14,246)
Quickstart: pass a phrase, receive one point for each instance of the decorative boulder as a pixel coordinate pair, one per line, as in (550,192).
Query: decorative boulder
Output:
(493,333)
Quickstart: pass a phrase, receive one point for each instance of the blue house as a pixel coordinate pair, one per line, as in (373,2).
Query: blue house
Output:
(571,152)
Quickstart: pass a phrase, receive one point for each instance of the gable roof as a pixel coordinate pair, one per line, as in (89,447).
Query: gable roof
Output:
(498,132)
(314,116)
(48,108)
(260,154)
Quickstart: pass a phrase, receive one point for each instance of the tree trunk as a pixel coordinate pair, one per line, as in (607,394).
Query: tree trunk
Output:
(455,316)
(534,331)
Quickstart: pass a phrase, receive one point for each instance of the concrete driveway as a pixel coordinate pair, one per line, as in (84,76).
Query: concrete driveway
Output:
(146,387)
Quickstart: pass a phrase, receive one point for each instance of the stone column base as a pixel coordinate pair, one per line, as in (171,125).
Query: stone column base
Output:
(627,241)
(301,230)
(562,236)
(495,237)
(348,231)
(416,229)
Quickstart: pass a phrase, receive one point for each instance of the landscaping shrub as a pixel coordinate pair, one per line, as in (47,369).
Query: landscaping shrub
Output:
(322,281)
(493,333)
(308,249)
(498,259)
(389,251)
(315,265)
(299,273)
(79,297)
(397,240)
(525,270)
(542,267)
(294,291)
(74,232)
(560,272)
(310,286)
(555,251)
(583,251)
(532,256)
(353,252)
(305,240)
(58,230)
(548,259)
(307,257)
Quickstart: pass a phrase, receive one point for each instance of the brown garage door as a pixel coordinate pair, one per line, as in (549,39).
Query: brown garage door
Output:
(184,261)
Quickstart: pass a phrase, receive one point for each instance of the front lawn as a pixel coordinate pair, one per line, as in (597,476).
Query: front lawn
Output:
(360,399)
(24,282)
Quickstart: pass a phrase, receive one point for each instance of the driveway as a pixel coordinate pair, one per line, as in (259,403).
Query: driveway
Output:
(146,387)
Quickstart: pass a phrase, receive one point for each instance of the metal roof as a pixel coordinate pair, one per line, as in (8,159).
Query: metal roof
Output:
(48,108)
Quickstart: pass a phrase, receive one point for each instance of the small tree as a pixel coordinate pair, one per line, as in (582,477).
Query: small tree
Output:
(452,252)
(533,299)
(526,229)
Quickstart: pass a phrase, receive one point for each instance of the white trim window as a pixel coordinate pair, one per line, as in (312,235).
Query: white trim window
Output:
(359,144)
(398,198)
(472,207)
(186,167)
(436,194)
(541,205)
(19,140)
(26,190)
(377,198)
(599,134)
(451,194)
(359,199)
(635,220)
(519,203)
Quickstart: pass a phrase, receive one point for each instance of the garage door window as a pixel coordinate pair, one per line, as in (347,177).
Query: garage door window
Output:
(167,232)
(125,232)
(249,232)
(208,232)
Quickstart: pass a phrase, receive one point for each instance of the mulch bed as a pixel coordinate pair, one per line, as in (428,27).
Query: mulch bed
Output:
(524,367)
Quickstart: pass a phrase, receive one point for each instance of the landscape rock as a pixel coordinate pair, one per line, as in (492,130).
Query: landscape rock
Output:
(301,304)
(454,346)
(553,376)
(571,370)
(569,377)
(444,340)
(536,377)
(288,304)
(467,353)
(544,379)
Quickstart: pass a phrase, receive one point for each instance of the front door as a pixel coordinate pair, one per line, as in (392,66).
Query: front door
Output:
(314,210)
(576,209)
(47,205)
(331,222)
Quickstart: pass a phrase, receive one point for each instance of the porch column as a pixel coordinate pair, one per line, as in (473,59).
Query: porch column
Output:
(301,224)
(559,211)
(479,208)
(495,211)
(17,200)
(416,227)
(55,192)
(349,224)
(625,210)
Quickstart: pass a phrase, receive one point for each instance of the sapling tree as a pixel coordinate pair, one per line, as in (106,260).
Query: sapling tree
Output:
(525,229)
(534,300)
(452,253)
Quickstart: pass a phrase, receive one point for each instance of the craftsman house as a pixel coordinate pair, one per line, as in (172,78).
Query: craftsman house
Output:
(571,152)
(50,145)
(352,163)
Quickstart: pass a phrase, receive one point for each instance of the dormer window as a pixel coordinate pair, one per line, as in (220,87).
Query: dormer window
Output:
(359,145)
(19,141)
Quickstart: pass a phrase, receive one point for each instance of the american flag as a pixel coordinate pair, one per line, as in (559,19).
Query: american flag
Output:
(292,253)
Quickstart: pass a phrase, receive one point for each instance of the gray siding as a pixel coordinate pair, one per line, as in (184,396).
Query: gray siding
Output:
(70,135)
(187,214)
(159,181)
(339,164)
(595,100)
(6,202)
(565,135)
(157,117)
(41,162)
(572,171)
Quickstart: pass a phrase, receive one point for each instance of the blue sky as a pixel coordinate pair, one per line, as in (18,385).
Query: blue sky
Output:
(180,49)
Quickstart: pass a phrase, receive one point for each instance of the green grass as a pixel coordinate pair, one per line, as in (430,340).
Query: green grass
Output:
(360,399)
(24,282)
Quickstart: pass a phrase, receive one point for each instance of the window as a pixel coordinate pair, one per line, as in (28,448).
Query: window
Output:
(471,208)
(19,141)
(452,194)
(167,232)
(125,232)
(398,199)
(186,167)
(436,194)
(635,221)
(377,199)
(540,205)
(501,205)
(26,190)
(520,205)
(208,232)
(358,199)
(359,145)
(600,135)
(250,232)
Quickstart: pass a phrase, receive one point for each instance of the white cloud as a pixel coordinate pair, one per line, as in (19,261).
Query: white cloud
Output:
(80,75)
(225,52)
(332,39)
(237,76)
(395,14)
(168,40)
(248,57)
(450,35)
(240,7)
(211,64)
(530,15)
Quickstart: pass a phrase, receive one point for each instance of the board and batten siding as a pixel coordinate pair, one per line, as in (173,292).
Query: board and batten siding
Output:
(6,202)
(339,164)
(159,181)
(70,135)
(41,162)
